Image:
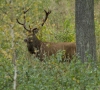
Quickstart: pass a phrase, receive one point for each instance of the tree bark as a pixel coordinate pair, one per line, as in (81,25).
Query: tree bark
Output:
(85,30)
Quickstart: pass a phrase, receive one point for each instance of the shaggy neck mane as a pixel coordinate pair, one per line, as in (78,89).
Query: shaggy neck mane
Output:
(37,43)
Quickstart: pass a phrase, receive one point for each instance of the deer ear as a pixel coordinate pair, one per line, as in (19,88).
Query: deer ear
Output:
(35,30)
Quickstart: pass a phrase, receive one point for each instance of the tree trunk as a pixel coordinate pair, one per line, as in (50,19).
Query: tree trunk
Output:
(85,30)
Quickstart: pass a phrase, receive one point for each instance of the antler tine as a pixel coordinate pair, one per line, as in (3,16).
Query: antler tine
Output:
(46,16)
(23,24)
(25,11)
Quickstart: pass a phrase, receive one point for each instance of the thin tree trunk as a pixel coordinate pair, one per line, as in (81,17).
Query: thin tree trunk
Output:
(13,45)
(14,59)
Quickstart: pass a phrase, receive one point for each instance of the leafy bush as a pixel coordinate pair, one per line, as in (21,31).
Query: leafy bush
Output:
(51,74)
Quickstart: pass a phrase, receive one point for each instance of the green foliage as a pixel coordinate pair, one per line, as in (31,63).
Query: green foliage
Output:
(68,34)
(51,74)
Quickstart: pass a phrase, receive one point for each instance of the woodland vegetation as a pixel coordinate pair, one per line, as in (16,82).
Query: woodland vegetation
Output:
(20,70)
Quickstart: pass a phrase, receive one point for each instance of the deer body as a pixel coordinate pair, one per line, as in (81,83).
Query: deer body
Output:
(39,48)
(49,48)
(42,49)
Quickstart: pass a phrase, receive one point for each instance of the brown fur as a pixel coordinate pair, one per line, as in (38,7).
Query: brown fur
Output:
(40,49)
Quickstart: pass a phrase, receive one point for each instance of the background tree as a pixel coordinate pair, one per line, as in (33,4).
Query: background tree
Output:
(85,29)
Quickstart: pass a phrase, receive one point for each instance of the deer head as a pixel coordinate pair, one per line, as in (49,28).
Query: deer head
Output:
(32,41)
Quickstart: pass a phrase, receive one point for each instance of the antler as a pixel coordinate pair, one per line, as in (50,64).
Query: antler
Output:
(46,16)
(33,29)
(44,20)
(24,23)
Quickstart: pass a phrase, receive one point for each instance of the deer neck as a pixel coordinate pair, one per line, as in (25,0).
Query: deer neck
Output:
(37,43)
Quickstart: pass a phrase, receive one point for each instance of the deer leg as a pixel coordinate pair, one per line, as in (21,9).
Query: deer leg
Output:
(66,58)
(41,57)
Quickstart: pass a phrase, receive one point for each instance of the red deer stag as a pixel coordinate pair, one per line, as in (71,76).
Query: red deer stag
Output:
(40,49)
